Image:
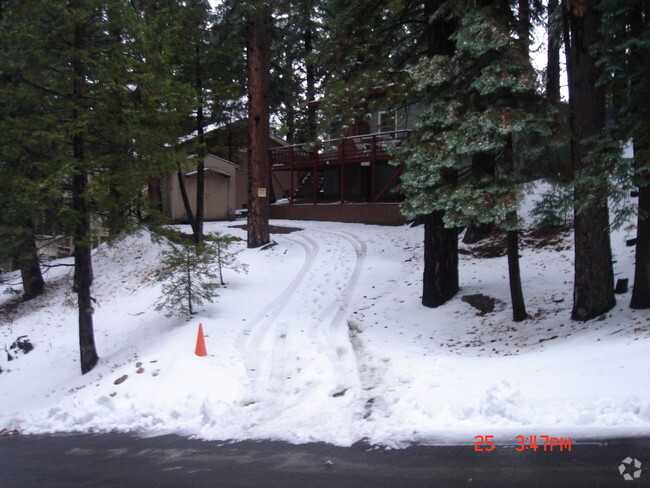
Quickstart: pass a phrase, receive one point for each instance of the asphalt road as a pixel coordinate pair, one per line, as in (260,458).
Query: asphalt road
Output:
(123,461)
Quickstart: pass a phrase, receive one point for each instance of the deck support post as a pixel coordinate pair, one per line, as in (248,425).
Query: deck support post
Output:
(291,185)
(342,173)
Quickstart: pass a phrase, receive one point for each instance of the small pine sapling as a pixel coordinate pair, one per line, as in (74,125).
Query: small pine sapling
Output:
(225,257)
(555,209)
(188,277)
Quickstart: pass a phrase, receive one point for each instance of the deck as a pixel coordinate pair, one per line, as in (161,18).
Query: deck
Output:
(307,162)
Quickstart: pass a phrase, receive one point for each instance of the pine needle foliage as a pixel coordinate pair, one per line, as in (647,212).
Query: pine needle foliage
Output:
(484,128)
(555,209)
(189,277)
(192,272)
(225,258)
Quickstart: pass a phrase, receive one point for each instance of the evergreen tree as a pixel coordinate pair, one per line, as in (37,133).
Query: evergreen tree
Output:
(76,73)
(224,257)
(26,183)
(624,56)
(21,201)
(553,52)
(440,280)
(554,209)
(191,78)
(193,52)
(296,74)
(371,44)
(484,122)
(188,277)
(163,100)
(594,276)
(259,59)
(83,26)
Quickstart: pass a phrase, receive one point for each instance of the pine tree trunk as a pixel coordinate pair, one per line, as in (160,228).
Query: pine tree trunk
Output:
(516,294)
(440,279)
(593,292)
(259,58)
(310,73)
(83,276)
(200,211)
(189,279)
(116,214)
(291,124)
(83,271)
(200,167)
(439,31)
(30,268)
(220,262)
(512,235)
(477,232)
(524,26)
(641,289)
(553,58)
(186,200)
(155,195)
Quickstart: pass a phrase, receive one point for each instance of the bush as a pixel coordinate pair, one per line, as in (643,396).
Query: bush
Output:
(555,209)
(225,258)
(192,273)
(188,277)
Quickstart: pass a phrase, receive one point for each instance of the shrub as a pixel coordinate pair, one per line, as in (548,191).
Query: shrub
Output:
(555,209)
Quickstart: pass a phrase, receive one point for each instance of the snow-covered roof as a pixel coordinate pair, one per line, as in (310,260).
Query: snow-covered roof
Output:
(208,128)
(211,170)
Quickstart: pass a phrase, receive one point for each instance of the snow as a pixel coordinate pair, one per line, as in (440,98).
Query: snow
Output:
(325,339)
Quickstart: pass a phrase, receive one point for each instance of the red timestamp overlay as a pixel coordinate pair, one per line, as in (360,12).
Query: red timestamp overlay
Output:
(486,443)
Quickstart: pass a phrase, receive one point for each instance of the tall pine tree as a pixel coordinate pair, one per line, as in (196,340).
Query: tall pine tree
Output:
(593,292)
(82,134)
(27,182)
(259,70)
(484,122)
(371,44)
(625,59)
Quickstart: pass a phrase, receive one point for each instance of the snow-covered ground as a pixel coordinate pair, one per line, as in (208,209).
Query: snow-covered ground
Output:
(325,339)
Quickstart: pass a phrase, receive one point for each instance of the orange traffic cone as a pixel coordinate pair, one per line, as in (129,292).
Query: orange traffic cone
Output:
(200,343)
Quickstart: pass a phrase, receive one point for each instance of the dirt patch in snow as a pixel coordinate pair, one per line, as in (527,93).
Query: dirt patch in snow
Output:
(495,245)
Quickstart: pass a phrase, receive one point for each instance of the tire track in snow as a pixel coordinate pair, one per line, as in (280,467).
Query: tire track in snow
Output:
(339,337)
(251,338)
(301,344)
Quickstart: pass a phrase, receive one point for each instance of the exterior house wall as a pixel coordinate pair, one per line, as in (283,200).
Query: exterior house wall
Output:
(241,158)
(406,118)
(365,213)
(241,184)
(219,196)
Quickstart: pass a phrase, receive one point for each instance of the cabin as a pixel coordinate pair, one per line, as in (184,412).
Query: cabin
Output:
(348,179)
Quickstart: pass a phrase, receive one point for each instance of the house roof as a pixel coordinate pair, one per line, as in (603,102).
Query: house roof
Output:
(224,160)
(211,170)
(277,139)
(210,129)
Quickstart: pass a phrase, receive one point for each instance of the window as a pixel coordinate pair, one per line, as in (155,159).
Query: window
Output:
(387,122)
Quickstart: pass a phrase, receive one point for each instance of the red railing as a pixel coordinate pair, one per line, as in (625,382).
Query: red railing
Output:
(365,148)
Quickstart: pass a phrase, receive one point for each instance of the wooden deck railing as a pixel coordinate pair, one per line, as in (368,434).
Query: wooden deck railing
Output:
(365,149)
